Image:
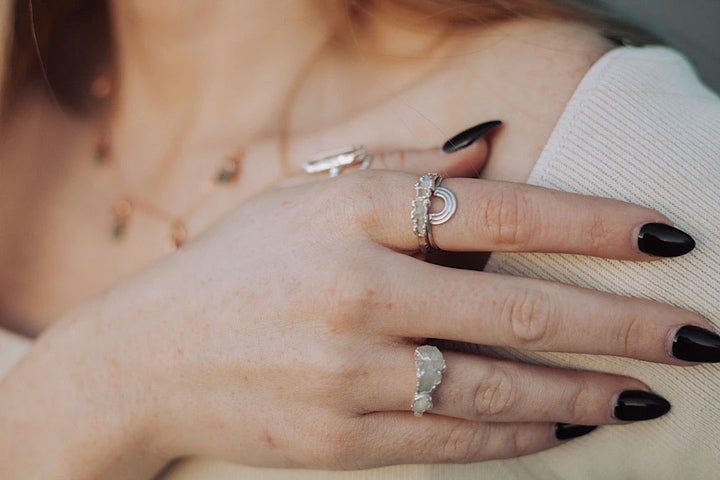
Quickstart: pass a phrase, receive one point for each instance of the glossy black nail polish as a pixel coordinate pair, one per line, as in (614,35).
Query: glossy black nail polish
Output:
(663,240)
(567,431)
(635,405)
(467,137)
(696,344)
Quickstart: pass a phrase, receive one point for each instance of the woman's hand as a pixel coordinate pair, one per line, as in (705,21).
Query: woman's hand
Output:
(285,335)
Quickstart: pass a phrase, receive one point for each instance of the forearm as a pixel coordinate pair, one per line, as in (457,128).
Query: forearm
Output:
(64,413)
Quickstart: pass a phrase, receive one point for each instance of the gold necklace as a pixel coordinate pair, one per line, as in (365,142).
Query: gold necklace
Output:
(123,209)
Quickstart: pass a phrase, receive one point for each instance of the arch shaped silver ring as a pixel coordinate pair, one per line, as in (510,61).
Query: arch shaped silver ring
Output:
(448,209)
(428,186)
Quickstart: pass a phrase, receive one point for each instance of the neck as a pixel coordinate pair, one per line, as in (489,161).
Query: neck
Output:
(211,70)
(212,76)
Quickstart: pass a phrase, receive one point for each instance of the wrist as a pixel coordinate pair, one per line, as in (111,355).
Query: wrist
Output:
(112,372)
(72,409)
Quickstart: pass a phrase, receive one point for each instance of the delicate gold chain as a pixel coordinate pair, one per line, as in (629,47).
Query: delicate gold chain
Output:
(122,211)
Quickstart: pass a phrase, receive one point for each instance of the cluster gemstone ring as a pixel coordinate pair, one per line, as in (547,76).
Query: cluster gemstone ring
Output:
(429,185)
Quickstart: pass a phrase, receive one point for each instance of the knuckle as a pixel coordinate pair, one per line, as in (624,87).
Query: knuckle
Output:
(361,198)
(597,237)
(350,194)
(463,444)
(522,440)
(580,401)
(335,210)
(390,160)
(505,217)
(529,314)
(511,440)
(352,296)
(342,298)
(629,334)
(495,394)
(340,448)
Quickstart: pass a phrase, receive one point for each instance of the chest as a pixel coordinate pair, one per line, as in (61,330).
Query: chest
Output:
(57,246)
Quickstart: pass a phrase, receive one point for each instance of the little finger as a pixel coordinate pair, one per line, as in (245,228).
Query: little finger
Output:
(401,438)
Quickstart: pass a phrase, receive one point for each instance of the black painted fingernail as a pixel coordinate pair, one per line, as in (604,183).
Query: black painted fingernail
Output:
(634,405)
(696,344)
(468,137)
(567,431)
(663,240)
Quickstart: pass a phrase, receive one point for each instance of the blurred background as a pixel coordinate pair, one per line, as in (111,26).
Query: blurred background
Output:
(691,26)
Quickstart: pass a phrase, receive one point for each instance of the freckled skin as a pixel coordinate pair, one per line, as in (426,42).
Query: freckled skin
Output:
(271,335)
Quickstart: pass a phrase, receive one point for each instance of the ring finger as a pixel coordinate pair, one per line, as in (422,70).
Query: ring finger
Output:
(484,389)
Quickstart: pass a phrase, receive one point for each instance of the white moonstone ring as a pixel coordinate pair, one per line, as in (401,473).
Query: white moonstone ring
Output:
(430,365)
(427,186)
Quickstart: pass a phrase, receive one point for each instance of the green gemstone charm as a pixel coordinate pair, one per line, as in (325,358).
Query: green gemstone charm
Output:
(230,171)
(102,150)
(118,231)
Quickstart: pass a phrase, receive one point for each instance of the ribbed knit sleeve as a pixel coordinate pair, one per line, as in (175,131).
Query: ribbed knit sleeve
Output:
(640,128)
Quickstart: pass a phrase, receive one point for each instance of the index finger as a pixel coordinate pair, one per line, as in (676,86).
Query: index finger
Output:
(508,217)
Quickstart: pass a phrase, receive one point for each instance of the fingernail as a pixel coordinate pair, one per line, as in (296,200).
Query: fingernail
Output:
(468,137)
(567,431)
(663,240)
(634,405)
(696,344)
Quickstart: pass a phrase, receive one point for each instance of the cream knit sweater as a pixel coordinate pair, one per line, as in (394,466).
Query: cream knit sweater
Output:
(642,128)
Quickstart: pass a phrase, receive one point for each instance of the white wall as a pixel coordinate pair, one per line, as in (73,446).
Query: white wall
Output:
(691,26)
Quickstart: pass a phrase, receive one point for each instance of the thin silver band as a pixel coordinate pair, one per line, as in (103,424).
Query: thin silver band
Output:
(448,210)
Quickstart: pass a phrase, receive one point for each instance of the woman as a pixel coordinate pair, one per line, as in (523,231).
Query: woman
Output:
(283,335)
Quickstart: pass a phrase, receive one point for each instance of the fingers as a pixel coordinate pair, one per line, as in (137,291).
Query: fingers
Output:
(530,314)
(400,438)
(467,162)
(500,216)
(484,389)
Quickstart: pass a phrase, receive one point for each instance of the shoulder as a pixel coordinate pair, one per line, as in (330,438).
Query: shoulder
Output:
(523,73)
(40,150)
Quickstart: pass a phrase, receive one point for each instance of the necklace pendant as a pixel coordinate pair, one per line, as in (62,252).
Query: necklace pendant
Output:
(230,171)
(101,87)
(122,211)
(102,150)
(178,234)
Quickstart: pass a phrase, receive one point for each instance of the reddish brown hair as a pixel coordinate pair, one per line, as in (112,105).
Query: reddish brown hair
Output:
(67,43)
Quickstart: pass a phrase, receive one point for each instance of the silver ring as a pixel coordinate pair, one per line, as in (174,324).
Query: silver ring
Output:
(429,367)
(448,210)
(423,220)
(420,206)
(334,161)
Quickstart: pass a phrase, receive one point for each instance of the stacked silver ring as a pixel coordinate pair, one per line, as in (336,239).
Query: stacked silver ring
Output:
(427,186)
(429,366)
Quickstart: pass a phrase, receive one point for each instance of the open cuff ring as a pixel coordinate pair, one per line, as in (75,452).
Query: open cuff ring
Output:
(429,365)
(428,186)
(334,161)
